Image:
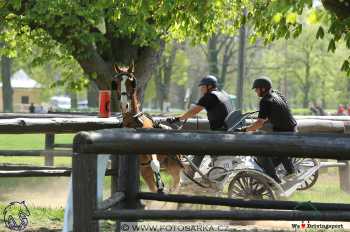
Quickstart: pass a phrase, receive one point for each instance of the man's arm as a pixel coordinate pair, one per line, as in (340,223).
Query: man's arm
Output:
(256,125)
(192,112)
(264,112)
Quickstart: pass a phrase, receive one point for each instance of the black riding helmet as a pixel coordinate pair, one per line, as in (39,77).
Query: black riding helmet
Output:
(262,82)
(208,80)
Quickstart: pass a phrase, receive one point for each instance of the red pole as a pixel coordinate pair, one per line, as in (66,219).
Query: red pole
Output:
(105,103)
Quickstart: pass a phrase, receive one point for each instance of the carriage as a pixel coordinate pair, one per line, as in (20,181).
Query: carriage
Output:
(242,177)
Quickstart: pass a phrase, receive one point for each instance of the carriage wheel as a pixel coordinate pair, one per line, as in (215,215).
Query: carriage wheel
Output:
(250,186)
(304,163)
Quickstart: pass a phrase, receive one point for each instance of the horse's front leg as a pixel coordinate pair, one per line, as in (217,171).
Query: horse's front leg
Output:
(155,165)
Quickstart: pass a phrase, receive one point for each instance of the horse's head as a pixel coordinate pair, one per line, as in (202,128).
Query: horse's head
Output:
(124,83)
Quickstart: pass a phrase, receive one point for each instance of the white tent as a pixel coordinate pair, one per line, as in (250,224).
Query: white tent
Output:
(20,79)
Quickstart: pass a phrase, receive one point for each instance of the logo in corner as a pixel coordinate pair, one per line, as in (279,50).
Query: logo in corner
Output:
(15,216)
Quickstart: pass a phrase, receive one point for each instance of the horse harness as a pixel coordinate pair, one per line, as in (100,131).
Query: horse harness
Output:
(131,120)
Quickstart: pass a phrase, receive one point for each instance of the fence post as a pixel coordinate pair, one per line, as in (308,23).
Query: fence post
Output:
(49,145)
(84,176)
(133,183)
(114,166)
(344,176)
(128,181)
(120,183)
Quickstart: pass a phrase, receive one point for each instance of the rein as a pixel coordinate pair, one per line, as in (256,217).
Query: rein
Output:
(137,121)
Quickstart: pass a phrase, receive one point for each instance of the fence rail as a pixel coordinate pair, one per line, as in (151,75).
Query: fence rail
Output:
(88,145)
(43,173)
(135,141)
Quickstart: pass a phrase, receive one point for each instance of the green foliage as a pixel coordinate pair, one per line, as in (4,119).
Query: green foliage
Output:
(74,23)
(180,74)
(312,73)
(78,30)
(272,20)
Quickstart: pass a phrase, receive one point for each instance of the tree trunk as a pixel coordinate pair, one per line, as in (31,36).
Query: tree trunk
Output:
(227,56)
(224,68)
(159,87)
(213,55)
(285,76)
(144,67)
(6,84)
(241,67)
(73,99)
(323,100)
(307,83)
(92,95)
(168,69)
(145,59)
(306,97)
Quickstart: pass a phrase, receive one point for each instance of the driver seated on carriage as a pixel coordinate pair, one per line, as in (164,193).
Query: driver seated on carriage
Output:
(217,104)
(273,108)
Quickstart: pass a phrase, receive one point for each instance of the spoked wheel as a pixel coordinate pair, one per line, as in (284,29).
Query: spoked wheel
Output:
(246,185)
(302,164)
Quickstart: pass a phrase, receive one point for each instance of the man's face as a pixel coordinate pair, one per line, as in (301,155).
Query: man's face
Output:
(203,89)
(260,92)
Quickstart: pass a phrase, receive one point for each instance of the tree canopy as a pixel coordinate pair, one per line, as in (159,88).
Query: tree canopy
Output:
(101,32)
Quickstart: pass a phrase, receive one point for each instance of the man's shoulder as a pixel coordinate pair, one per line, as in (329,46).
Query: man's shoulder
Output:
(207,99)
(210,95)
(267,98)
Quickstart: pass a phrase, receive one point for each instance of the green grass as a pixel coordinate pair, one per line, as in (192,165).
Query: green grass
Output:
(39,218)
(43,219)
(32,141)
(326,189)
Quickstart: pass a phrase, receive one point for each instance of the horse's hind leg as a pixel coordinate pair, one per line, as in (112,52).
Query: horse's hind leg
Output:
(148,176)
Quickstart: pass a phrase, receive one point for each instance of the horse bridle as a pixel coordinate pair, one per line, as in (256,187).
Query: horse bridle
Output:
(114,83)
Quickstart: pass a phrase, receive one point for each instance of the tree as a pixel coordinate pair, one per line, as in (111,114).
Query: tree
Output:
(272,20)
(304,56)
(220,53)
(92,95)
(6,84)
(163,74)
(241,66)
(100,33)
(312,72)
(169,78)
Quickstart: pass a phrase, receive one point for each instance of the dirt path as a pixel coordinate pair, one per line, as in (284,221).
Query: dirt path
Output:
(53,194)
(50,194)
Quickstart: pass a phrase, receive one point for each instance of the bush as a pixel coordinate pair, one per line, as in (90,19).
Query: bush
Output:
(301,111)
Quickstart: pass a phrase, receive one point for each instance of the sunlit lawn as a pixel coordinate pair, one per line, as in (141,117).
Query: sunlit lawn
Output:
(32,142)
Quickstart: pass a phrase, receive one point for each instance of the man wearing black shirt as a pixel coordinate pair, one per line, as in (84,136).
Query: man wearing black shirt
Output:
(273,108)
(215,102)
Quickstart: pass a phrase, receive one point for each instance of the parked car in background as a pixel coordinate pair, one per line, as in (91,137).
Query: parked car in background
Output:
(83,104)
(60,102)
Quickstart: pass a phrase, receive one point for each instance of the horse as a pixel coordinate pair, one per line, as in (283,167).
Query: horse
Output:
(124,83)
